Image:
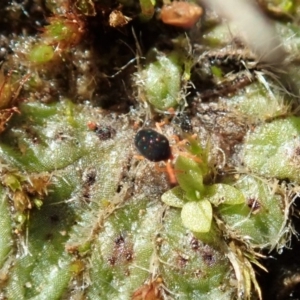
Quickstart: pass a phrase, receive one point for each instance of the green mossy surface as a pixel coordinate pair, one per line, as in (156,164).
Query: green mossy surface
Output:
(272,149)
(162,81)
(113,233)
(6,243)
(82,217)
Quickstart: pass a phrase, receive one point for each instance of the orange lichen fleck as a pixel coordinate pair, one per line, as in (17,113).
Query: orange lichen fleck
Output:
(181,14)
(92,125)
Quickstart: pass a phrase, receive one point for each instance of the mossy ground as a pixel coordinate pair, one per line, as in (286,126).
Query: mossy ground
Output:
(82,217)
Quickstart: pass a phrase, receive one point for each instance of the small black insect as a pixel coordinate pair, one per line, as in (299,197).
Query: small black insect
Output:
(152,145)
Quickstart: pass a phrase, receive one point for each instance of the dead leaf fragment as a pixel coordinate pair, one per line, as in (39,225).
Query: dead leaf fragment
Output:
(117,19)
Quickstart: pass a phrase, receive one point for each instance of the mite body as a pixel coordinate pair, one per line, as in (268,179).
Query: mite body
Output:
(153,145)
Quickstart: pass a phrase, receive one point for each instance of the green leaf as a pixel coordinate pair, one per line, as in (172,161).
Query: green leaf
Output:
(189,175)
(224,193)
(197,216)
(174,197)
(260,218)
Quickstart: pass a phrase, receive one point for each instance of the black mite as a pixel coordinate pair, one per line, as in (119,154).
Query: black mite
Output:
(152,145)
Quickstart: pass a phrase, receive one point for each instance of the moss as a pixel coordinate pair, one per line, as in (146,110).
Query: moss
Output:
(41,54)
(82,217)
(272,149)
(161,81)
(6,241)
